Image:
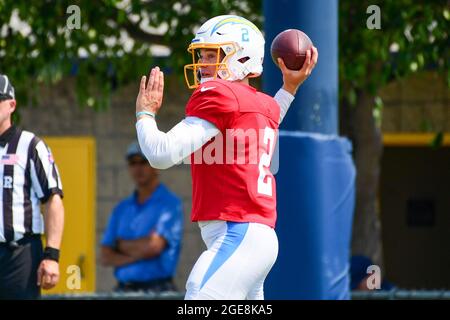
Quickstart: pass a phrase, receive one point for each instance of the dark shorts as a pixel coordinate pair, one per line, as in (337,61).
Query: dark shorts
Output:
(19,263)
(157,285)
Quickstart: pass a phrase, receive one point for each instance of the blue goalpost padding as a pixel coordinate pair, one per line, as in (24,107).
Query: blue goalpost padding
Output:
(316,177)
(315,190)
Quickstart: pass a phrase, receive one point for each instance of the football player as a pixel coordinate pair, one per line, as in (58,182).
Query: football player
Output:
(234,201)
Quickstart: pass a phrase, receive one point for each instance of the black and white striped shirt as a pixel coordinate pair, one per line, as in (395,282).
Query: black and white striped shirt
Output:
(29,176)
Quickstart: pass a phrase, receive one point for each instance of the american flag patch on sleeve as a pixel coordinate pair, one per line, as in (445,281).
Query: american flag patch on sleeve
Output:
(10,159)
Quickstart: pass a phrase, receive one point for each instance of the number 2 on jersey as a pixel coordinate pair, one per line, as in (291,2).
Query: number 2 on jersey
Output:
(265,187)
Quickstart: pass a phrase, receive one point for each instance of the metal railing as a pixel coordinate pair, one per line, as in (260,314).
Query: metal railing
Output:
(170,295)
(395,294)
(399,294)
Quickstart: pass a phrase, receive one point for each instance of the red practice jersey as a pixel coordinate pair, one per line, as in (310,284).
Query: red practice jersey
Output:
(231,173)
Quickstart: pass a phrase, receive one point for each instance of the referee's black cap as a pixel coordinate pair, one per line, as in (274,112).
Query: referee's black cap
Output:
(6,87)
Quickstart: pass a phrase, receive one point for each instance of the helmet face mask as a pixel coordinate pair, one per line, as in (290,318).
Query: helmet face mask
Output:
(240,42)
(192,72)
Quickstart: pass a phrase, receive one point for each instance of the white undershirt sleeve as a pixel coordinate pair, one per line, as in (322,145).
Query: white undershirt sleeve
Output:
(284,100)
(164,150)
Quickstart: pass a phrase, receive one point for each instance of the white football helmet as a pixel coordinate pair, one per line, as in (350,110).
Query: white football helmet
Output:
(240,41)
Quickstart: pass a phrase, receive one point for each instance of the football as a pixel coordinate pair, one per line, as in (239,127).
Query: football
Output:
(291,46)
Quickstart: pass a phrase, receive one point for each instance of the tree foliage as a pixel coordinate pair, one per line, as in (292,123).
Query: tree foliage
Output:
(413,37)
(112,47)
(43,49)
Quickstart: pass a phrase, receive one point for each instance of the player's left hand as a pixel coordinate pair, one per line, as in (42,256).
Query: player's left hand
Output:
(292,79)
(151,94)
(48,274)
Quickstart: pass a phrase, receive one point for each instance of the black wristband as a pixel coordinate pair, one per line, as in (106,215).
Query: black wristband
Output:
(51,254)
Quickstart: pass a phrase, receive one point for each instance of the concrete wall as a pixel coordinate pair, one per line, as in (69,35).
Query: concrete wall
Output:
(420,103)
(56,113)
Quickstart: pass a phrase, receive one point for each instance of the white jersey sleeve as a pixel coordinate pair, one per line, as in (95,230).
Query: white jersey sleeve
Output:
(284,100)
(164,150)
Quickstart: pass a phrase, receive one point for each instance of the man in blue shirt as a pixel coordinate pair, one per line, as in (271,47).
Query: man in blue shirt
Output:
(142,239)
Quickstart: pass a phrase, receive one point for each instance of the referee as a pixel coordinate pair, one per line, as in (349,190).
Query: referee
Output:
(29,176)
